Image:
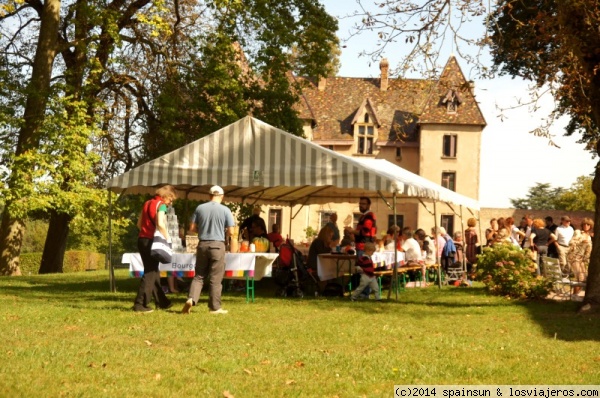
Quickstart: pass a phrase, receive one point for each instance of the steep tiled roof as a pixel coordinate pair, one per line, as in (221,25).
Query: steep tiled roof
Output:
(435,110)
(402,106)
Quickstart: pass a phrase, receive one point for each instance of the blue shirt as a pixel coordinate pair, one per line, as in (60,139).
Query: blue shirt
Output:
(212,218)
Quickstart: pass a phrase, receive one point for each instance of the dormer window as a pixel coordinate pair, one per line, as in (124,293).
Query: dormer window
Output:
(365,124)
(452,101)
(365,139)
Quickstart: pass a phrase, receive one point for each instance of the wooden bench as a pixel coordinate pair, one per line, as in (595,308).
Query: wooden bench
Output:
(402,275)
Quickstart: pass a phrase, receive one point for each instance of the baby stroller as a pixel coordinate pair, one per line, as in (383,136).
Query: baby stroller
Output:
(291,274)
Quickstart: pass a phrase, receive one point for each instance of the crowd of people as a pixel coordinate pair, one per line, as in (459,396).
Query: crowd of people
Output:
(214,223)
(542,237)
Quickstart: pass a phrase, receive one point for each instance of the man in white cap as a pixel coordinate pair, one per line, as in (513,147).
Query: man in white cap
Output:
(215,223)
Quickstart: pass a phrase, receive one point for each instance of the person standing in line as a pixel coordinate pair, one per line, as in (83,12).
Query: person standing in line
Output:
(152,217)
(366,229)
(332,224)
(539,238)
(552,252)
(472,242)
(580,249)
(564,232)
(215,223)
(491,231)
(528,226)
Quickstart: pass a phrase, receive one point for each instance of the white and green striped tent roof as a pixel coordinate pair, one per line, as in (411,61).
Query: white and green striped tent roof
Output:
(256,162)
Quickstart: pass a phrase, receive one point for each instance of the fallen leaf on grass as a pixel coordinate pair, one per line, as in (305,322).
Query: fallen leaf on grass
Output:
(92,365)
(299,364)
(248,371)
(290,382)
(157,376)
(227,394)
(148,342)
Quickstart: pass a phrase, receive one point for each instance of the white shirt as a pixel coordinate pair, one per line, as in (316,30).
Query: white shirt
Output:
(412,250)
(564,233)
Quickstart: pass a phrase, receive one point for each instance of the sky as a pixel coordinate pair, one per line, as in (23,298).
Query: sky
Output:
(512,159)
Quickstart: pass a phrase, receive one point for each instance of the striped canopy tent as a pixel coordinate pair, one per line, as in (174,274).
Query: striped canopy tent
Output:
(256,162)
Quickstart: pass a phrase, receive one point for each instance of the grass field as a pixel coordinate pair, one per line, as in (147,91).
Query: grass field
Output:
(67,335)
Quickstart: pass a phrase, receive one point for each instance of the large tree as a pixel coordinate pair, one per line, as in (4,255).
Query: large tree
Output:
(12,227)
(126,69)
(553,43)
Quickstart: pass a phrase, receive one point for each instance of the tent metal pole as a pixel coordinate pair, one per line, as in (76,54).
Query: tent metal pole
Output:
(464,259)
(436,244)
(111,270)
(394,282)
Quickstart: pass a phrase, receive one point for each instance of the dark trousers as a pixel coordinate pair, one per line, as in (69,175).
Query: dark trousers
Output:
(210,265)
(150,282)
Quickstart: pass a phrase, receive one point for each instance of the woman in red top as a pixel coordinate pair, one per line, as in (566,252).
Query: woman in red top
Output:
(153,216)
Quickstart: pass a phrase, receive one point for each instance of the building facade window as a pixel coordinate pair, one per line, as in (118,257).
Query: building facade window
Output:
(449,146)
(324,219)
(399,221)
(274,218)
(449,180)
(398,153)
(365,138)
(447,221)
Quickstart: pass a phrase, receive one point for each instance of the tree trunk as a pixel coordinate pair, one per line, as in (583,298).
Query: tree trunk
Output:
(12,228)
(56,243)
(591,302)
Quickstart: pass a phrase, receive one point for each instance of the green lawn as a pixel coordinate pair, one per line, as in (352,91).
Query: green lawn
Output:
(67,335)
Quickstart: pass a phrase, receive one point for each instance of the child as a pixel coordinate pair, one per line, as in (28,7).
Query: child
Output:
(367,273)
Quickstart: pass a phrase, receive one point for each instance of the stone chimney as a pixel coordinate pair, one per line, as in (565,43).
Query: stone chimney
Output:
(472,86)
(322,83)
(384,66)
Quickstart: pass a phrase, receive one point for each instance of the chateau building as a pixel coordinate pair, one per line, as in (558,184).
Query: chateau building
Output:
(430,128)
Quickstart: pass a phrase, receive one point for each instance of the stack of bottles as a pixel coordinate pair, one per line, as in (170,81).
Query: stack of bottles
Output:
(173,229)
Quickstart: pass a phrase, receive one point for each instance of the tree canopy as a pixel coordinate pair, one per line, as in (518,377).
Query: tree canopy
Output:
(92,89)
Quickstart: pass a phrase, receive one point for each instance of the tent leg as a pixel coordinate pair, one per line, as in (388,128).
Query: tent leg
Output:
(111,270)
(437,258)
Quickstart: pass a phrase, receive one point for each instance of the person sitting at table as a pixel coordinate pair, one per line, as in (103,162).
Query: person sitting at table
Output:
(275,237)
(258,232)
(389,237)
(410,247)
(246,226)
(366,269)
(333,225)
(427,246)
(322,244)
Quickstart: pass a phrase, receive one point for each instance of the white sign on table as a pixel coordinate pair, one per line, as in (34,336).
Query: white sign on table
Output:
(237,265)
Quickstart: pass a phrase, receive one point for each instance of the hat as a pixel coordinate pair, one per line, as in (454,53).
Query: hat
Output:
(565,218)
(216,190)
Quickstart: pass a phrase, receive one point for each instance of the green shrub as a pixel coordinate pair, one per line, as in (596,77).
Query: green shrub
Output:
(79,260)
(74,261)
(507,270)
(30,263)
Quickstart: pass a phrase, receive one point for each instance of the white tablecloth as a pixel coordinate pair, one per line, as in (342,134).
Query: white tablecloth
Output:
(237,265)
(331,266)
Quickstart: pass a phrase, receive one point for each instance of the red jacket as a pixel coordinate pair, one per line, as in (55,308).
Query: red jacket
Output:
(149,212)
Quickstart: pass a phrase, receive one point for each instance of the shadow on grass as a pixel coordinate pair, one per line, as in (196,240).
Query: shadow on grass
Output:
(557,319)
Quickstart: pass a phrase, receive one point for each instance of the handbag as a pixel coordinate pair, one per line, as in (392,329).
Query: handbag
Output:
(161,250)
